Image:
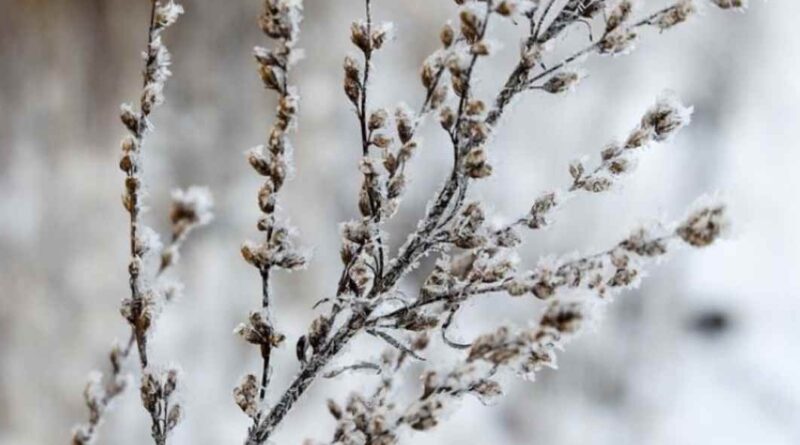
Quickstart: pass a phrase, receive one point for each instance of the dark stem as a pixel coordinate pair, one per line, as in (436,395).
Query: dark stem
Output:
(266,348)
(136,296)
(374,204)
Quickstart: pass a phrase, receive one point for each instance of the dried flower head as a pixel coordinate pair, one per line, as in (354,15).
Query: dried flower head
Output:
(703,226)
(167,14)
(246,395)
(190,208)
(676,14)
(667,117)
(563,81)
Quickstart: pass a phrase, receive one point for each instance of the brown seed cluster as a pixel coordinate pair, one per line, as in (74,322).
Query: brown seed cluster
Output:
(703,226)
(660,123)
(157,391)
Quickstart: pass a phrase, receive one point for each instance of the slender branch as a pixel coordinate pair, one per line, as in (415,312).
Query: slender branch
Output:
(132,176)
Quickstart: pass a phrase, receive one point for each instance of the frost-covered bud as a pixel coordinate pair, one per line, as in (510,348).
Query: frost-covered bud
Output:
(482,48)
(640,243)
(730,4)
(377,119)
(146,241)
(167,14)
(129,118)
(256,254)
(171,381)
(352,84)
(318,333)
(396,186)
(150,391)
(596,184)
(381,33)
(359,35)
(381,140)
(404,120)
(428,74)
(667,117)
(530,55)
(508,8)
(517,288)
(271,77)
(476,164)
(620,165)
(447,35)
(447,118)
(565,318)
(246,395)
(128,162)
(152,96)
(563,82)
(471,218)
(287,108)
(266,57)
(362,276)
(470,25)
(424,415)
(406,151)
(174,416)
(129,145)
(259,159)
(617,42)
(266,197)
(280,19)
(543,289)
(505,8)
(678,13)
(258,331)
(539,214)
(475,107)
(704,226)
(638,138)
(291,260)
(139,313)
(619,14)
(487,390)
(190,208)
(625,275)
(493,348)
(94,395)
(507,237)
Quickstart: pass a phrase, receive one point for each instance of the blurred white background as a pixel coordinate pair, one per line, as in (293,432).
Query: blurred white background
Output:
(706,352)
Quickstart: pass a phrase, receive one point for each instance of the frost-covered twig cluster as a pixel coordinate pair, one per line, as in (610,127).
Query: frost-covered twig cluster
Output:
(150,259)
(472,258)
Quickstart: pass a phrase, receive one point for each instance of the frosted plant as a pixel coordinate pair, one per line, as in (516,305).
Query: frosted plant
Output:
(150,288)
(471,257)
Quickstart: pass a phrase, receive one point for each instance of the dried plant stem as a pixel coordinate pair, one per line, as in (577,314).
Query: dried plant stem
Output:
(518,80)
(266,349)
(366,134)
(133,175)
(190,209)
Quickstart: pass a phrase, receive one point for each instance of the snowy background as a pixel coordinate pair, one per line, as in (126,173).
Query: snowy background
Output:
(706,352)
